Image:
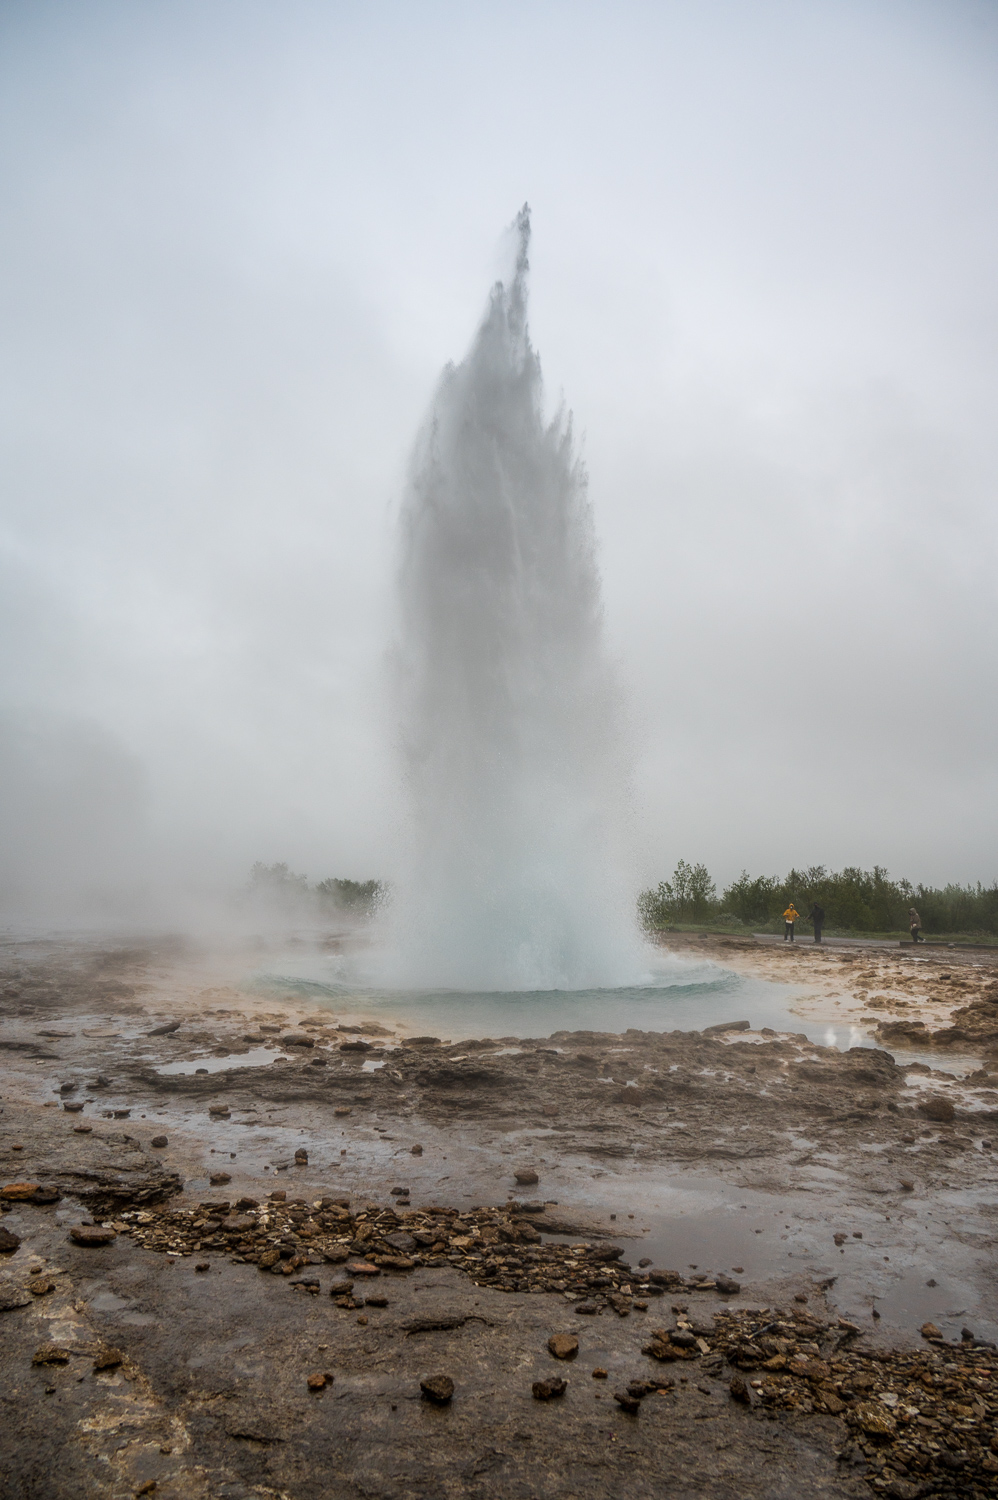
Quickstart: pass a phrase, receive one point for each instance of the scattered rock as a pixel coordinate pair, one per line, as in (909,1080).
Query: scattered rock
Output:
(159,1141)
(526,1176)
(357,1046)
(546,1390)
(108,1358)
(50,1354)
(9,1241)
(627,1402)
(301,1157)
(342,1109)
(218,1178)
(416,1150)
(930,1331)
(12,1296)
(437,1388)
(937,1108)
(317,1381)
(40,1286)
(91,1235)
(599,1373)
(72,1108)
(19,1192)
(563,1345)
(82,1129)
(739,1390)
(874,1419)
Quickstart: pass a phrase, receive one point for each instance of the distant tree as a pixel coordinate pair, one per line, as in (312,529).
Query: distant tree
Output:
(689,896)
(277,879)
(361,897)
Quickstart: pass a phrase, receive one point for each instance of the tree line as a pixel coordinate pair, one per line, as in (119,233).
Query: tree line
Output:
(278,885)
(854,901)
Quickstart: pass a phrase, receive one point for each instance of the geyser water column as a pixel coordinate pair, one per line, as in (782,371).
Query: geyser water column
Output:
(509,713)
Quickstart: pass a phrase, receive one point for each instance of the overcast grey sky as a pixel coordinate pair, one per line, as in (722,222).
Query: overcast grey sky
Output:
(239,241)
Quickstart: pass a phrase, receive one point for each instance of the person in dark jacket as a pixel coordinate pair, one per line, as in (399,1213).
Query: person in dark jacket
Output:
(817,916)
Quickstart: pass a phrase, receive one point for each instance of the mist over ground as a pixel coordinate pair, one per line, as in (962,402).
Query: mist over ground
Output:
(238,245)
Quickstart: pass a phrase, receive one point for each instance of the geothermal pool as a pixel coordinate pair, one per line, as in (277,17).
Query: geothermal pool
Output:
(697,996)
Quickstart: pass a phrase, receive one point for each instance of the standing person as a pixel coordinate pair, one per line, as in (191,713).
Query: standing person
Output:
(817,916)
(915,923)
(789,918)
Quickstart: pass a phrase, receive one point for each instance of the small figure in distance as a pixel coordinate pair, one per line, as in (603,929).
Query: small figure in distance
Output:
(915,923)
(789,918)
(817,916)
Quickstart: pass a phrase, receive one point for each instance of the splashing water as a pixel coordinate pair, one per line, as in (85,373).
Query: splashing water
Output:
(509,712)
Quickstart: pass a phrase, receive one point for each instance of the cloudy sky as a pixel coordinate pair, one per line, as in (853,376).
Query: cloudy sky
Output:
(239,241)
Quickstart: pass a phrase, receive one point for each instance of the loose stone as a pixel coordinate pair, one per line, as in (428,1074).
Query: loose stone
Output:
(91,1235)
(437,1388)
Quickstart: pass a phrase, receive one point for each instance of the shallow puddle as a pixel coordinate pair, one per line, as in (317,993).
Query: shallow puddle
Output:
(257,1057)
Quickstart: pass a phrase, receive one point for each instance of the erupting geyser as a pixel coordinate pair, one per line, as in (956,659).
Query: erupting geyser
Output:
(507,704)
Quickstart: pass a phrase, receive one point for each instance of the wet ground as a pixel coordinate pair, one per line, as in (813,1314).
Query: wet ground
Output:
(862,1179)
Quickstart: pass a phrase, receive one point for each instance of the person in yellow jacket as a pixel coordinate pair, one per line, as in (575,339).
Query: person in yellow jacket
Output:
(789,918)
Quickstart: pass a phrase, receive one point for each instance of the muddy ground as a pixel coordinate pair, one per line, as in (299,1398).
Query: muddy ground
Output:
(857,1181)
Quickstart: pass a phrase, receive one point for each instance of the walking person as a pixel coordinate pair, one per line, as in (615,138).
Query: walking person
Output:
(789,918)
(915,922)
(817,916)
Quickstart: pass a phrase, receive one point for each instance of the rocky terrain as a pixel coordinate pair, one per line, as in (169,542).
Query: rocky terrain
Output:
(356,1263)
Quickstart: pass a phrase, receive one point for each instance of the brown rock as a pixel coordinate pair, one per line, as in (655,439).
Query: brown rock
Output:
(937,1108)
(363,1268)
(930,1331)
(73,1108)
(563,1345)
(39,1286)
(526,1176)
(416,1150)
(817,1371)
(342,1109)
(740,1391)
(50,1354)
(301,1157)
(545,1390)
(108,1359)
(239,1223)
(12,1296)
(19,1192)
(159,1141)
(218,1178)
(91,1235)
(9,1241)
(437,1388)
(875,1419)
(316,1381)
(627,1402)
(599,1373)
